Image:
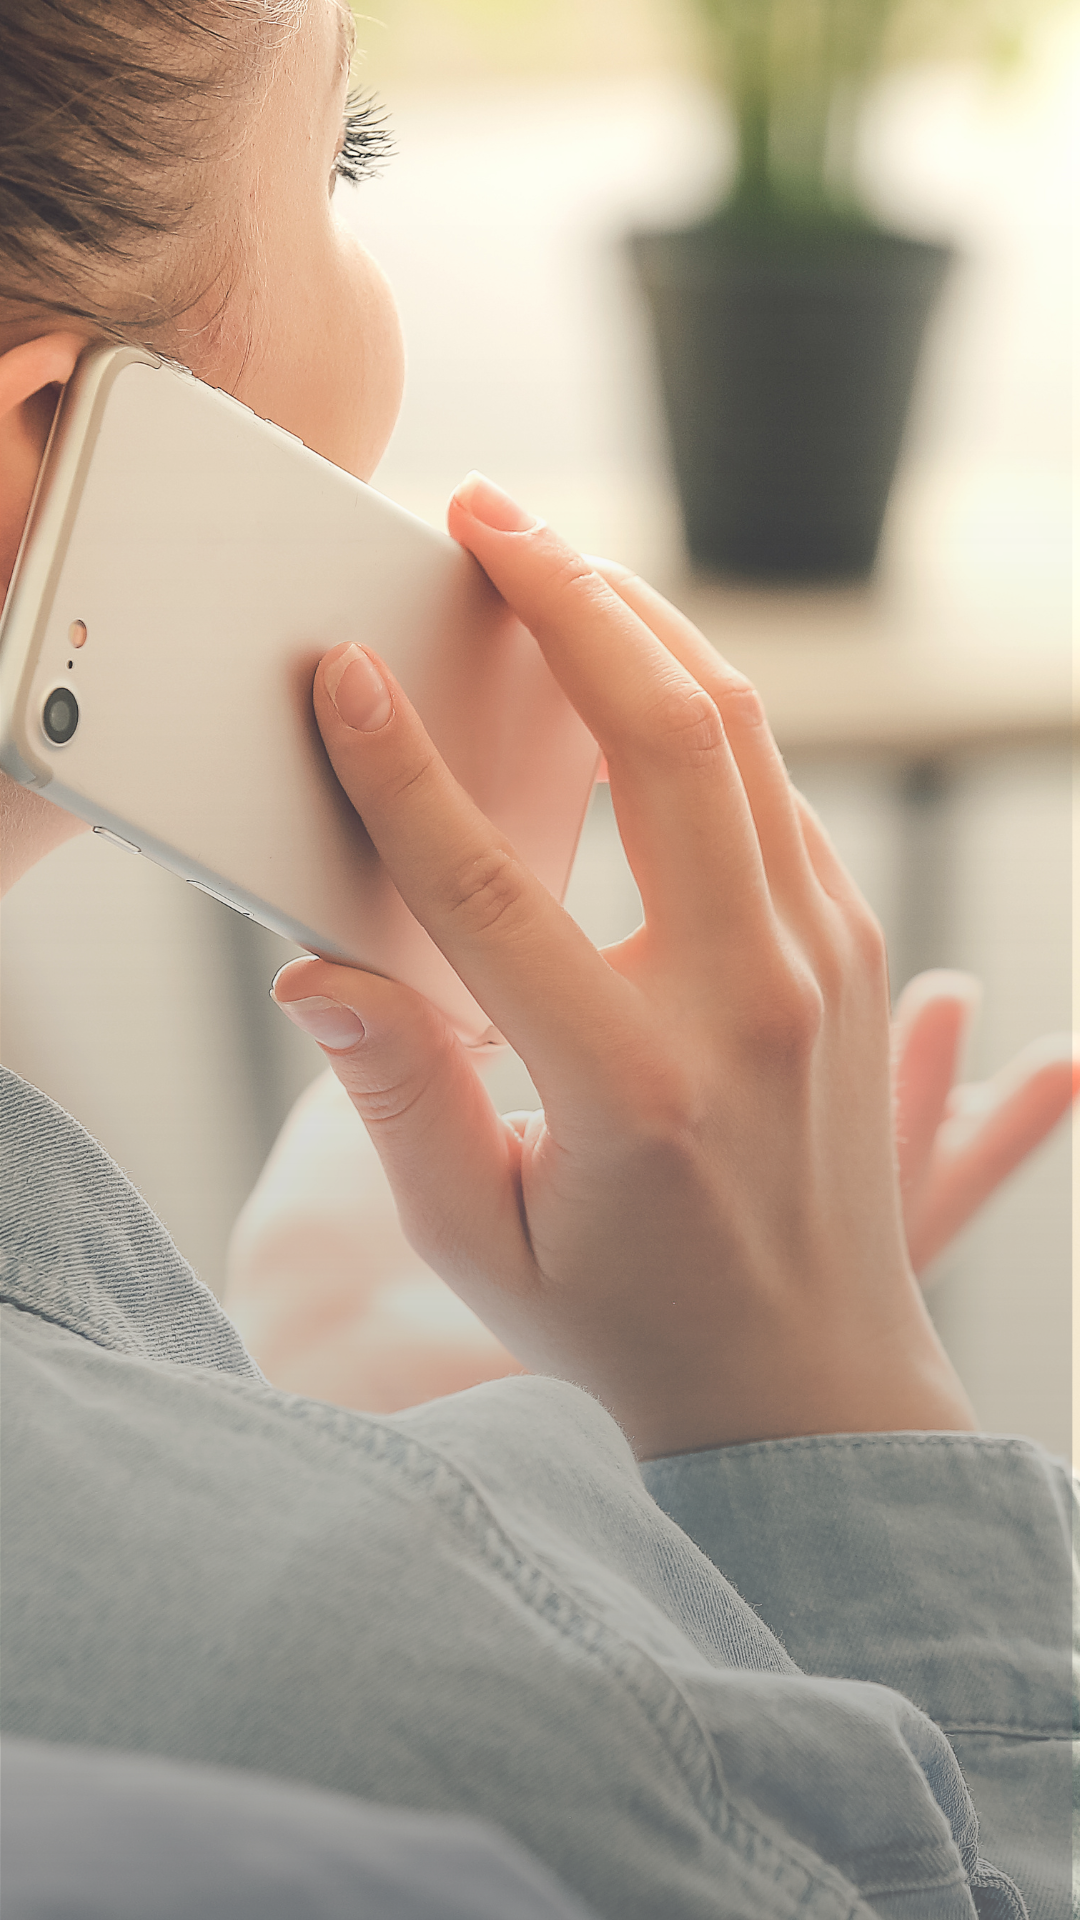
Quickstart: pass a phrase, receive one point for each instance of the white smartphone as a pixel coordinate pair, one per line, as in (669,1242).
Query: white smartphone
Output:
(184,566)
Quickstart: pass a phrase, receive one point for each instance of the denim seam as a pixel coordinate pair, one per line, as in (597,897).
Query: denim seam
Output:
(957,1879)
(130,1350)
(847,1442)
(1006,1731)
(672,1719)
(784,1863)
(675,1723)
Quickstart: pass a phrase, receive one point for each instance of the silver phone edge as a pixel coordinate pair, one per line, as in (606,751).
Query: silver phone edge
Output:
(40,556)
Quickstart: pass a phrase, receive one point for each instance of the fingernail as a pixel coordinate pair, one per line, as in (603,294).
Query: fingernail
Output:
(487,502)
(331,1024)
(944,983)
(358,690)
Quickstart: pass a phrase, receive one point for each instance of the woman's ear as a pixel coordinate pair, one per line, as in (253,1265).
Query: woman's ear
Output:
(31,376)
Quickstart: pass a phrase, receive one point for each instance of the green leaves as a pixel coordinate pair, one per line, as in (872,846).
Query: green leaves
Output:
(795,72)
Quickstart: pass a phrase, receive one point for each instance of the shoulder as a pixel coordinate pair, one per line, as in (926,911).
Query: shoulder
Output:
(80,1248)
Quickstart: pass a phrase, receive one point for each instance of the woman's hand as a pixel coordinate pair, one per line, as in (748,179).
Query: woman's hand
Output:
(956,1144)
(333,1302)
(703,1225)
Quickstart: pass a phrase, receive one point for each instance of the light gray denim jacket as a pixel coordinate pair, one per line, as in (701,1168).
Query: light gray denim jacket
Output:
(751,1683)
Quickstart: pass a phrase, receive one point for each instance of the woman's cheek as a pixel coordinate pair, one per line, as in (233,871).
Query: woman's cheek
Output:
(374,341)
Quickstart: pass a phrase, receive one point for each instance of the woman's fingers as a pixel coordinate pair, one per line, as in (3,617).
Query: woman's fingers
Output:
(930,1026)
(956,1145)
(994,1128)
(833,877)
(764,776)
(531,968)
(450,1161)
(678,795)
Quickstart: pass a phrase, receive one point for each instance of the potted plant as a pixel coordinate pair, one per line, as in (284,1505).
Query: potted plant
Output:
(788,323)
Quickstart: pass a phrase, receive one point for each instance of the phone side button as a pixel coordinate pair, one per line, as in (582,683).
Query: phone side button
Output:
(117,840)
(221,898)
(283,432)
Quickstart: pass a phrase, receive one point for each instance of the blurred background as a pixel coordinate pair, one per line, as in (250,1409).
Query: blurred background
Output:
(925,705)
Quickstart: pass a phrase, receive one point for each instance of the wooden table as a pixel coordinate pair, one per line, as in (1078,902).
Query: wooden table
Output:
(962,640)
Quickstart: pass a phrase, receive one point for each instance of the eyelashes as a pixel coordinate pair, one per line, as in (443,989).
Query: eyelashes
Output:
(367,143)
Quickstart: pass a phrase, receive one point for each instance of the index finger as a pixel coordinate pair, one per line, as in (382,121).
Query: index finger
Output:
(532,969)
(680,801)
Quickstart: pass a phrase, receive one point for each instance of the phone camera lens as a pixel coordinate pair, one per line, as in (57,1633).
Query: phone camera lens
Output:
(61,716)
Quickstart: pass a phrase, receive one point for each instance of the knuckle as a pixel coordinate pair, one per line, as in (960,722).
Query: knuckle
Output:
(803,1013)
(389,1079)
(743,706)
(868,938)
(484,889)
(856,957)
(851,960)
(572,578)
(832,967)
(660,1095)
(615,572)
(684,725)
(380,1103)
(660,1120)
(788,1015)
(399,784)
(663,1101)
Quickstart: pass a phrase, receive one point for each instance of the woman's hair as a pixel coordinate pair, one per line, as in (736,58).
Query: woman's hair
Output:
(115,120)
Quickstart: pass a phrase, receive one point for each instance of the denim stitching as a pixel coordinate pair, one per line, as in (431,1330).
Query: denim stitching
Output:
(673,1719)
(845,1442)
(657,1696)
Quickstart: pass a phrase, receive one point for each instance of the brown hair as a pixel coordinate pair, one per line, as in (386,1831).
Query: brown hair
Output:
(111,113)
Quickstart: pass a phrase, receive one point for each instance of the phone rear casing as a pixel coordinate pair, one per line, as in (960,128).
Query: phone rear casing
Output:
(213,560)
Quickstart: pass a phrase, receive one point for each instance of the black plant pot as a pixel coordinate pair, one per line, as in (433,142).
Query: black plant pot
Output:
(787,365)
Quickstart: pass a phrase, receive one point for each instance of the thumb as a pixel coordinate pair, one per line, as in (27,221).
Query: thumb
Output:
(452,1164)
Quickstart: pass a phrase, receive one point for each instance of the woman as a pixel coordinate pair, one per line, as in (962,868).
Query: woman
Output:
(477,1606)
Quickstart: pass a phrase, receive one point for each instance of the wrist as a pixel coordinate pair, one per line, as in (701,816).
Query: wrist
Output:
(888,1379)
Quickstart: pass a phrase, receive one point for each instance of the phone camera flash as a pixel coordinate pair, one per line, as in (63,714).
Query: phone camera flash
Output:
(77,633)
